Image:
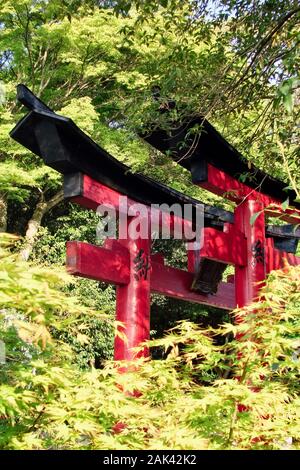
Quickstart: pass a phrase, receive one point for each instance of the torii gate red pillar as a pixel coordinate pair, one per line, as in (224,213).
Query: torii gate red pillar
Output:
(248,277)
(133,300)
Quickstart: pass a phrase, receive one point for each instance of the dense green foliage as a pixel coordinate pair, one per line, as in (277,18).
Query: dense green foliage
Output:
(235,62)
(244,394)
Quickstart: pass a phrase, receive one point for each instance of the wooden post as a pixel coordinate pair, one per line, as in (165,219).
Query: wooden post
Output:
(250,220)
(133,300)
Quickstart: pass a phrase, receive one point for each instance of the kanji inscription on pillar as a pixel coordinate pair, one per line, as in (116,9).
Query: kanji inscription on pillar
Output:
(141,265)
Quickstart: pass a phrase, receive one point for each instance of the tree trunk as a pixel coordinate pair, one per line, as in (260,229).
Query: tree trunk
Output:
(3,213)
(34,223)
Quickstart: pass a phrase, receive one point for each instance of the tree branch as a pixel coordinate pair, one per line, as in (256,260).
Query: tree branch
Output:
(262,44)
(34,223)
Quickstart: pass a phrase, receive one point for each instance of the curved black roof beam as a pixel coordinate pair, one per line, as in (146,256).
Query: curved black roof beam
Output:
(66,148)
(211,147)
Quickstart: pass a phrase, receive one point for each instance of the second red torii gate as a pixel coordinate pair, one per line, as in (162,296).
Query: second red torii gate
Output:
(92,177)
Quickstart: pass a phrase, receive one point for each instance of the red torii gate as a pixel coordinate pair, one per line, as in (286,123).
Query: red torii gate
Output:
(92,177)
(216,166)
(130,266)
